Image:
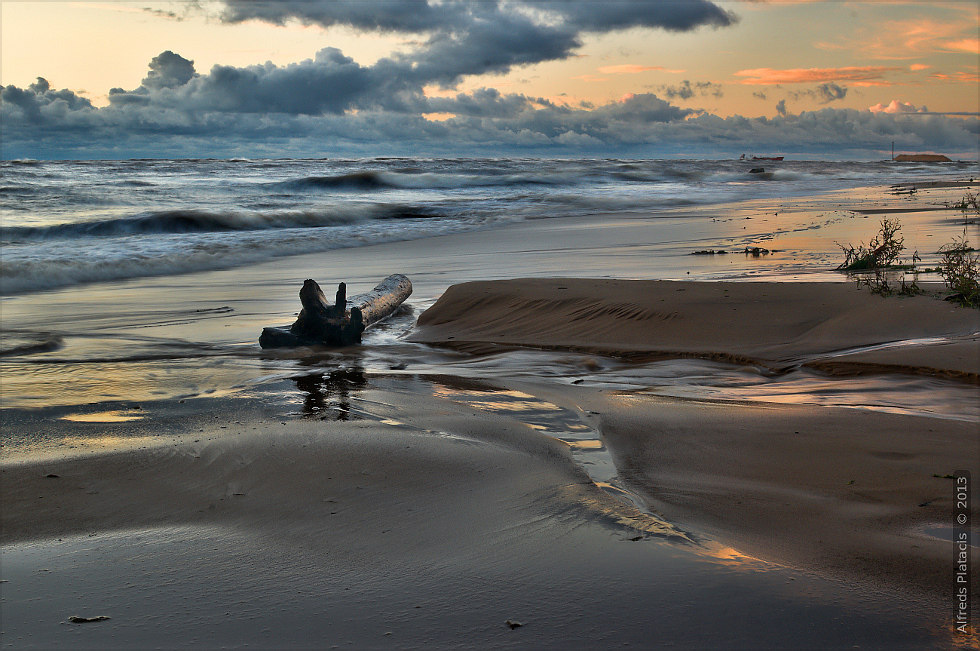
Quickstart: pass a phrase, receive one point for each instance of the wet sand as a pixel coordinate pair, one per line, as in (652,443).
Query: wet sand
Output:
(513,457)
(434,529)
(764,478)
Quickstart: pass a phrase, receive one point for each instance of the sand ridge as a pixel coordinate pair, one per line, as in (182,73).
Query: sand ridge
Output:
(773,324)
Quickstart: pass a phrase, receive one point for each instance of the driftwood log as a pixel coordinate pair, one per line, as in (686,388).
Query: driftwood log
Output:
(342,323)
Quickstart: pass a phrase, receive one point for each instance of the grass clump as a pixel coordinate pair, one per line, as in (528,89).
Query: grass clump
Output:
(882,251)
(959,265)
(969,204)
(879,257)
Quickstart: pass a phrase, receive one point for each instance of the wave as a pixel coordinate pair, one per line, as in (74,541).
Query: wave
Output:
(16,344)
(203,221)
(383,180)
(353,181)
(67,223)
(62,263)
(18,190)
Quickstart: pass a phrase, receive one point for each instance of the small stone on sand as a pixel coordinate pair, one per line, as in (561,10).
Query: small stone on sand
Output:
(75,619)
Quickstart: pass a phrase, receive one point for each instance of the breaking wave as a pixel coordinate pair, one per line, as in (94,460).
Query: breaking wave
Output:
(383,180)
(204,221)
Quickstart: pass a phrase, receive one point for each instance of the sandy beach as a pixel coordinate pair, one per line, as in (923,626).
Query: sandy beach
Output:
(857,478)
(576,434)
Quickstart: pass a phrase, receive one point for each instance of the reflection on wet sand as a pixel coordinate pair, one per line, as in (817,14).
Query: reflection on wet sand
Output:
(533,411)
(108,442)
(561,423)
(328,395)
(731,557)
(116,416)
(589,450)
(496,400)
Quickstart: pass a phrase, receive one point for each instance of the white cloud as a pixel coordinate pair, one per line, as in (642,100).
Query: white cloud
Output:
(332,105)
(896,106)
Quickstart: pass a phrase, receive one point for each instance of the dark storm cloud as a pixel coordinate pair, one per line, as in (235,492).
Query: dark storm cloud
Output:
(471,37)
(328,83)
(407,16)
(644,108)
(483,102)
(44,126)
(494,44)
(459,38)
(331,105)
(418,16)
(686,90)
(621,14)
(168,70)
(256,102)
(781,107)
(462,38)
(824,93)
(38,104)
(830,92)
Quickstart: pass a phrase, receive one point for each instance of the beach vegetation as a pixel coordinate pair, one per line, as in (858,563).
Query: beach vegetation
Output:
(878,260)
(880,282)
(882,251)
(909,287)
(959,265)
(969,205)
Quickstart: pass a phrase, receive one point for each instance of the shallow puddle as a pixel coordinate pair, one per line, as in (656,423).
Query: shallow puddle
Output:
(117,416)
(893,393)
(585,442)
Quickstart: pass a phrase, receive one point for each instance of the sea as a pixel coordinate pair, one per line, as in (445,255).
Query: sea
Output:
(69,223)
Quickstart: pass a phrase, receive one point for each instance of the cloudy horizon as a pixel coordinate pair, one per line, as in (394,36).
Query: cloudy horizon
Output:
(476,78)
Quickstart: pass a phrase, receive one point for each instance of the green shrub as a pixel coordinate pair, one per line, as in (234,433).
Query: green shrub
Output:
(878,259)
(882,251)
(959,265)
(968,204)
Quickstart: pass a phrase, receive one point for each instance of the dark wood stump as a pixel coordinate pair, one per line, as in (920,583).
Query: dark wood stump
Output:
(342,323)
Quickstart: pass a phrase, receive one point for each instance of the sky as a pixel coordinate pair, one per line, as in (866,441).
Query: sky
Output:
(324,78)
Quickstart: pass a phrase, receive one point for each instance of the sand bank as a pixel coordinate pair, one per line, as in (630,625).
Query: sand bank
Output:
(779,326)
